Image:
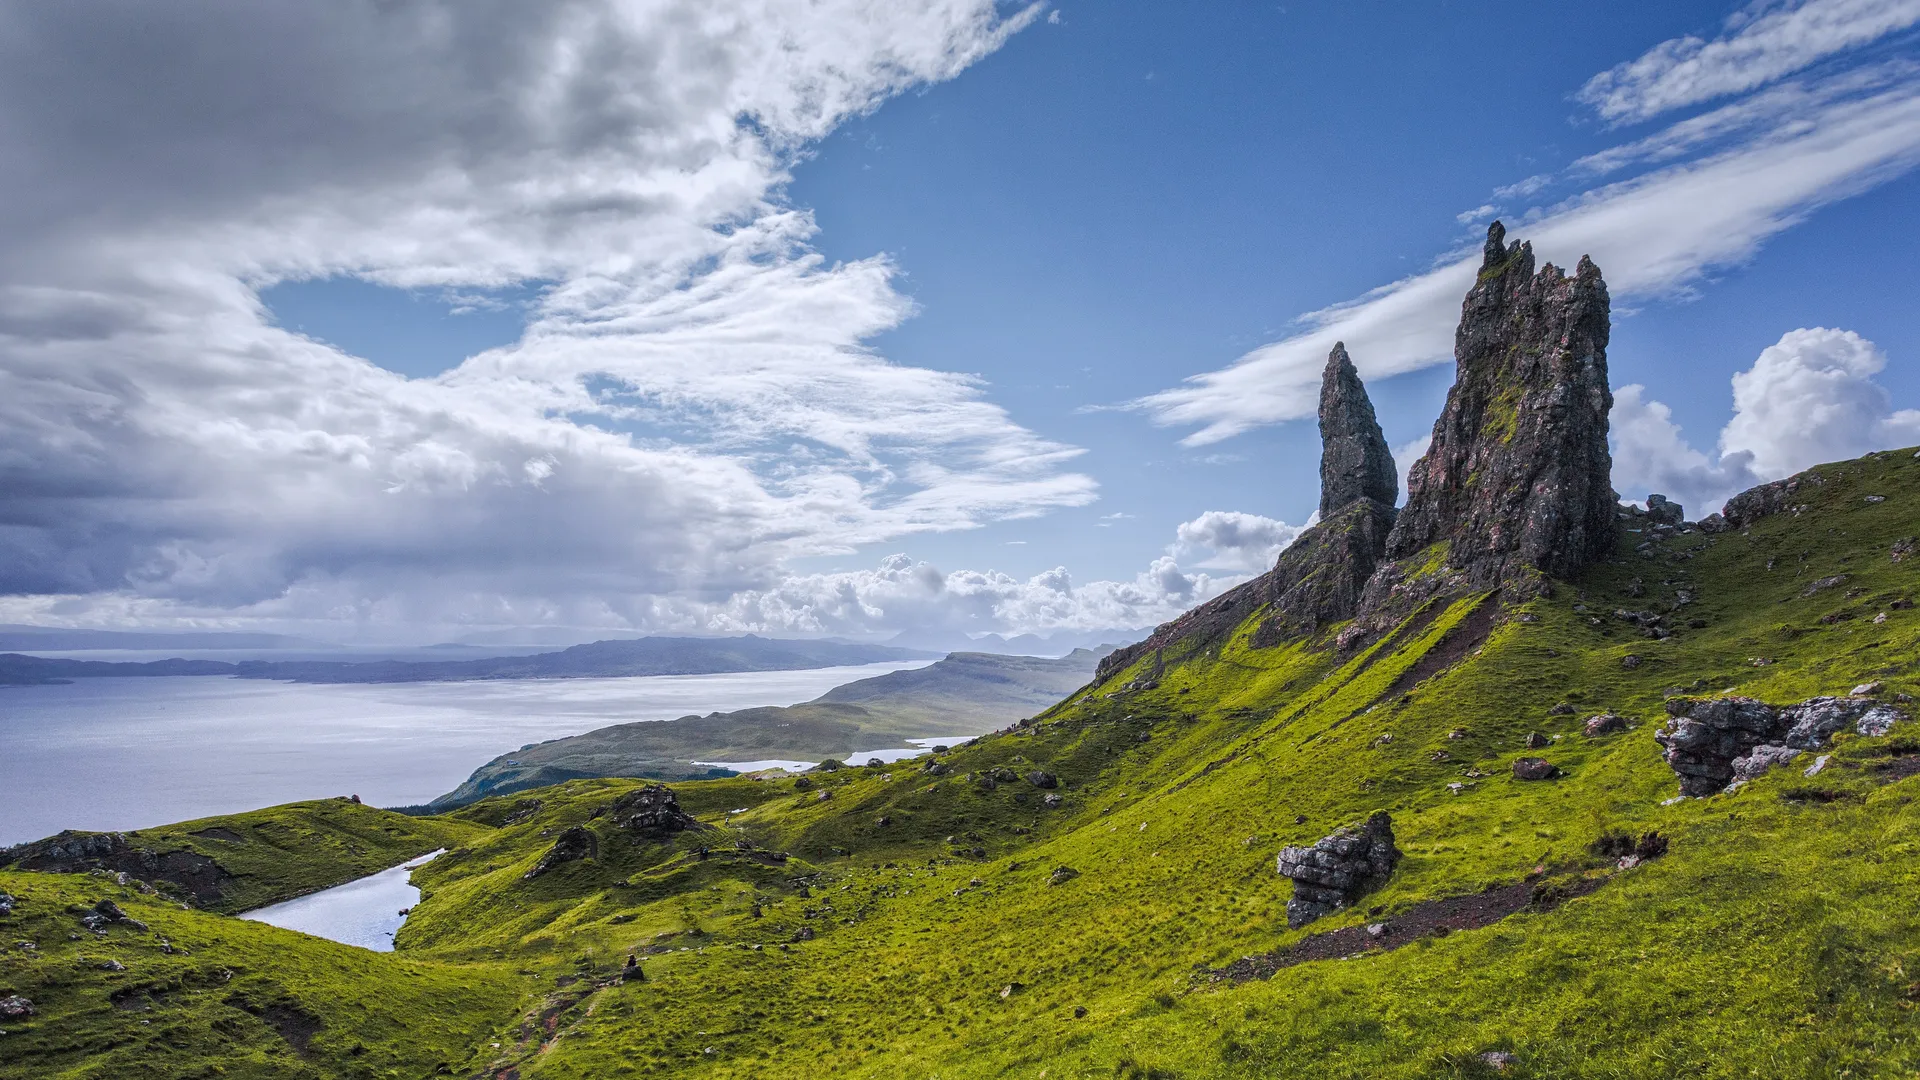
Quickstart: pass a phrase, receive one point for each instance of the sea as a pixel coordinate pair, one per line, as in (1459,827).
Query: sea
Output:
(127,753)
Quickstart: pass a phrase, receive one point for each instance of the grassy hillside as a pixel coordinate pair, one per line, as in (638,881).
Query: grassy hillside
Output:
(960,696)
(944,921)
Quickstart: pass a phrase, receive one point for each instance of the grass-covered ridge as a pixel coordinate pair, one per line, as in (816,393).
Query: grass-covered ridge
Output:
(947,922)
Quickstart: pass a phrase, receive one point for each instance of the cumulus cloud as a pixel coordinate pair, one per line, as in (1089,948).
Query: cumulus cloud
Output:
(1759,44)
(1652,234)
(1808,398)
(692,404)
(1234,541)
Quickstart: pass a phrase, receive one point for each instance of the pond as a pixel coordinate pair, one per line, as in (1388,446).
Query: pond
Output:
(365,911)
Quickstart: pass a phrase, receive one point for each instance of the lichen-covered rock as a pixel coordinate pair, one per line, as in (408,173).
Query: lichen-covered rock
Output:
(1517,475)
(14,1007)
(1760,759)
(1605,724)
(1355,462)
(1767,499)
(1041,778)
(1533,768)
(1704,736)
(1338,869)
(1708,738)
(573,845)
(652,811)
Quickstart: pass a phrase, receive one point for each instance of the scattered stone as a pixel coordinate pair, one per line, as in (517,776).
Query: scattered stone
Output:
(883,821)
(1061,875)
(1379,929)
(1456,788)
(1079,1012)
(1867,689)
(935,768)
(1338,869)
(1011,989)
(1533,768)
(1819,765)
(823,796)
(829,765)
(875,763)
(6,904)
(1904,547)
(1053,802)
(1630,661)
(1439,756)
(1762,758)
(1876,498)
(1605,724)
(576,843)
(1714,523)
(14,1007)
(1536,741)
(1457,733)
(1499,1060)
(1823,584)
(1565,708)
(805,933)
(1384,739)
(1042,779)
(111,965)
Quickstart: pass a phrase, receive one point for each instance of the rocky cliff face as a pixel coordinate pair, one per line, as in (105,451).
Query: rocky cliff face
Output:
(1354,460)
(1518,472)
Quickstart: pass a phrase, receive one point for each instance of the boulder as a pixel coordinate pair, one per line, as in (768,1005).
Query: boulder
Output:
(14,1007)
(1705,737)
(1061,875)
(1605,724)
(6,904)
(1042,779)
(1533,768)
(1053,802)
(1664,511)
(653,812)
(574,844)
(1338,869)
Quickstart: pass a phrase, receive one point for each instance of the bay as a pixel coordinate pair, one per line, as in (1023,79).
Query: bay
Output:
(116,754)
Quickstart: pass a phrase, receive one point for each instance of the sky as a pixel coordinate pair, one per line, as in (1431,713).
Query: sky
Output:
(398,322)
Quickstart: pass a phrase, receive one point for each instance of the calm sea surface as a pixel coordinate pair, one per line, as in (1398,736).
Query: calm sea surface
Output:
(127,753)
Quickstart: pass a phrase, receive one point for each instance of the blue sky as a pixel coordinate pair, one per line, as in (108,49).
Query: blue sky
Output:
(1081,208)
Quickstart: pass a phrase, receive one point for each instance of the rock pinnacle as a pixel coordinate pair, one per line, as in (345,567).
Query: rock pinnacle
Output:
(1354,460)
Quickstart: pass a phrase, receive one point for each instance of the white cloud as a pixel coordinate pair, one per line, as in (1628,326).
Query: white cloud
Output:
(1761,43)
(1234,541)
(693,403)
(1651,235)
(1479,215)
(1407,454)
(1808,398)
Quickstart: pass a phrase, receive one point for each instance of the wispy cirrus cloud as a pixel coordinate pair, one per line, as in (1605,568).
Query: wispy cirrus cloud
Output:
(1715,189)
(1760,43)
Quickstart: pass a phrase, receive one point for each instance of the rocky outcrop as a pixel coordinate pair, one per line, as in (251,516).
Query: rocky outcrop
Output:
(1517,475)
(1713,742)
(73,852)
(575,844)
(1355,462)
(1338,869)
(652,812)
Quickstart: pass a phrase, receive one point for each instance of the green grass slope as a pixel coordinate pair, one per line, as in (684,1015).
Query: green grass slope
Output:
(944,921)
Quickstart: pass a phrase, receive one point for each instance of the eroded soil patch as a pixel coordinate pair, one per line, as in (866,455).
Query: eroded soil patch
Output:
(1431,918)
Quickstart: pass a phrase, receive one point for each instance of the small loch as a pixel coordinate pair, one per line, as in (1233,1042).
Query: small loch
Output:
(363,912)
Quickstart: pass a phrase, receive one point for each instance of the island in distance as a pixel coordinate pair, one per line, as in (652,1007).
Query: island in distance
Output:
(598,660)
(964,695)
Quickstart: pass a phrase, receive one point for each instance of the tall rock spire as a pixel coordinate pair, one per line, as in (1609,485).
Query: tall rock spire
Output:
(1518,472)
(1354,460)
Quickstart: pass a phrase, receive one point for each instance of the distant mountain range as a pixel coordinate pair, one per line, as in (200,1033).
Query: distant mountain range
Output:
(599,660)
(964,695)
(18,638)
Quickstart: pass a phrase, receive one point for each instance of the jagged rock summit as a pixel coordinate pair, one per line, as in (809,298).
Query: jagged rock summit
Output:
(1518,474)
(1355,462)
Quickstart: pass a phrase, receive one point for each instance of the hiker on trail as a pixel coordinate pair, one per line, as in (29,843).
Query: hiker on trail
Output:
(632,972)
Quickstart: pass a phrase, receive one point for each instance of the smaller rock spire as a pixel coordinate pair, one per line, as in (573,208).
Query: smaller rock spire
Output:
(1354,460)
